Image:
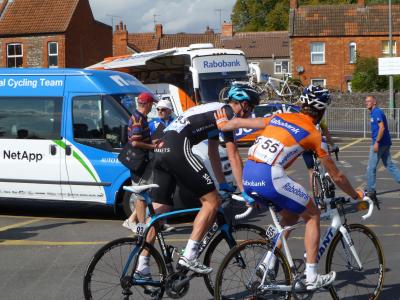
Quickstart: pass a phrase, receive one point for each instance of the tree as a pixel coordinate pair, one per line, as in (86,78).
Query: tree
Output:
(365,76)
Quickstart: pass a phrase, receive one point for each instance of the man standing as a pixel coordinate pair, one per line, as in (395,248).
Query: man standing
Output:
(139,137)
(380,148)
(164,111)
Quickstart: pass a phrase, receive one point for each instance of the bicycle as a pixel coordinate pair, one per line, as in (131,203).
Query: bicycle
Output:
(340,240)
(111,271)
(282,88)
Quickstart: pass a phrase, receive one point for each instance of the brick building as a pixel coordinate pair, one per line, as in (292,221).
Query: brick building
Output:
(326,39)
(51,33)
(270,49)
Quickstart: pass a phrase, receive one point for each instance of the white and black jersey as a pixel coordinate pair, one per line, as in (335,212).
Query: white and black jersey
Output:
(198,123)
(175,162)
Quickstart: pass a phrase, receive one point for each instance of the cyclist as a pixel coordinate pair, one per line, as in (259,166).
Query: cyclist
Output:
(284,138)
(175,162)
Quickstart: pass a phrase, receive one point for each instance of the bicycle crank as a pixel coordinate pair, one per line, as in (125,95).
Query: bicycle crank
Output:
(177,285)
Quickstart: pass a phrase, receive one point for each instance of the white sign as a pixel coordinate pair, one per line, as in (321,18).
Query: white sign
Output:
(389,66)
(220,63)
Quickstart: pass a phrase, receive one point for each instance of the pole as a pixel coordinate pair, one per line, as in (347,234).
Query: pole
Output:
(391,99)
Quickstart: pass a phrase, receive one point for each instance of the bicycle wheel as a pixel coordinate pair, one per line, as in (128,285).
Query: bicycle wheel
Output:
(317,191)
(102,278)
(350,282)
(236,278)
(218,248)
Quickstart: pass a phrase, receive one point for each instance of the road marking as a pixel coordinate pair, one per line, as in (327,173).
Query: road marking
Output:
(381,168)
(352,143)
(20,224)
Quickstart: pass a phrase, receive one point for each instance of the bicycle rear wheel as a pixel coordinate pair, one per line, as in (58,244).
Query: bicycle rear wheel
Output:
(102,278)
(236,278)
(352,283)
(219,248)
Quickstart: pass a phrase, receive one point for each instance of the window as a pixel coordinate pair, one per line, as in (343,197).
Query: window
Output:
(385,48)
(318,81)
(14,56)
(30,118)
(52,49)
(100,121)
(317,53)
(352,53)
(281,67)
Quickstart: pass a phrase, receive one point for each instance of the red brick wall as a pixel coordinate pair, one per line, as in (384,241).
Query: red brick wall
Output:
(336,67)
(35,53)
(87,41)
(120,40)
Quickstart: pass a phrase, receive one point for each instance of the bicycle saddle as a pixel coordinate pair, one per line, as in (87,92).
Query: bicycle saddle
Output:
(137,189)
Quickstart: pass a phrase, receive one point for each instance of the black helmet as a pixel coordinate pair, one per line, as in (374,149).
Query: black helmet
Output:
(315,97)
(243,92)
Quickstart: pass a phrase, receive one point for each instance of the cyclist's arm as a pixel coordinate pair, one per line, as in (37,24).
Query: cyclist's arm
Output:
(215,160)
(236,123)
(326,133)
(338,177)
(236,163)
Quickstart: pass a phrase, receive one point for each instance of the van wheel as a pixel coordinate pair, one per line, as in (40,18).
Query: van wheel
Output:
(127,207)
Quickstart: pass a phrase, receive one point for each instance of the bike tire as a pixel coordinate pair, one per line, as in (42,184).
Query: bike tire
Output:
(107,274)
(251,252)
(366,243)
(219,247)
(317,188)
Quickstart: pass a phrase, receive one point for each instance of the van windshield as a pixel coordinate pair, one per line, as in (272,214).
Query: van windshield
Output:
(212,83)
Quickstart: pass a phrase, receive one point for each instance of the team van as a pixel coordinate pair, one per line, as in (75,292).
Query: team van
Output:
(61,131)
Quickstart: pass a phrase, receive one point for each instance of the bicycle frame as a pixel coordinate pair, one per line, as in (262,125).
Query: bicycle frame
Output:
(221,224)
(282,85)
(332,214)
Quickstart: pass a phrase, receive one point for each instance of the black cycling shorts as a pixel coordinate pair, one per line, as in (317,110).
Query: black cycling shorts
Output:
(175,163)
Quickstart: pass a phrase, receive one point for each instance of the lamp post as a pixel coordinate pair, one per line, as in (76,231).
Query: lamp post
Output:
(391,98)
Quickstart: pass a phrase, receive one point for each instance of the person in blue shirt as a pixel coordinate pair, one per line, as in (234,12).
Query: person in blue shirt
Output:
(164,112)
(380,148)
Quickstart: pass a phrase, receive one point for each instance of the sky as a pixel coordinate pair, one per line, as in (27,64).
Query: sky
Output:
(191,16)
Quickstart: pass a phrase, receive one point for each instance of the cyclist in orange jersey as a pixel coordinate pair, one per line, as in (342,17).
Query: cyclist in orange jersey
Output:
(285,137)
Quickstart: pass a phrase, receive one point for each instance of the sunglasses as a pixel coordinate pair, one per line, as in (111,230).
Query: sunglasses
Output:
(161,109)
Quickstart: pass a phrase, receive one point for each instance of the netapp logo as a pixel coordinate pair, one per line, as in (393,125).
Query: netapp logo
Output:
(36,157)
(221,64)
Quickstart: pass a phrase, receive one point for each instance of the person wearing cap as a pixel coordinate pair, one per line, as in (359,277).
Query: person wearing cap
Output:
(164,112)
(139,136)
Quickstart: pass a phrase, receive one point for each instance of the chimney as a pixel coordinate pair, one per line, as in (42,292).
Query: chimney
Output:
(120,40)
(294,4)
(227,30)
(361,3)
(209,30)
(159,31)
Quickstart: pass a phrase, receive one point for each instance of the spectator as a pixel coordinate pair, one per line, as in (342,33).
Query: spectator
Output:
(380,148)
(164,111)
(139,136)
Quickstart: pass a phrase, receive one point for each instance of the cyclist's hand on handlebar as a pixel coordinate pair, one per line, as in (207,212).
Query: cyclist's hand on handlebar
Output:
(227,187)
(221,118)
(361,195)
(249,200)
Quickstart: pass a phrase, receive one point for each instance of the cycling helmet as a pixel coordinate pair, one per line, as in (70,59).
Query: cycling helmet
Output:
(243,92)
(315,97)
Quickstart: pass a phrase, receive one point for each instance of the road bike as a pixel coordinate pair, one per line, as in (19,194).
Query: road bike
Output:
(111,272)
(354,252)
(282,88)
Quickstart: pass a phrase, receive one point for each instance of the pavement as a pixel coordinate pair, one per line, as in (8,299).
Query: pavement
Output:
(46,246)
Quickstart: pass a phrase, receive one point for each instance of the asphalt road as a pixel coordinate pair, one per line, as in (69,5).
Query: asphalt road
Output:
(45,247)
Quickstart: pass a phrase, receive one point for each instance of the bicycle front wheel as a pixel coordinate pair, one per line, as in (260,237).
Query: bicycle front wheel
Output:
(219,248)
(102,279)
(237,277)
(351,281)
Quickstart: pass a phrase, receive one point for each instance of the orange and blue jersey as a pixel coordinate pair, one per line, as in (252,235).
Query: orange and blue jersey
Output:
(284,138)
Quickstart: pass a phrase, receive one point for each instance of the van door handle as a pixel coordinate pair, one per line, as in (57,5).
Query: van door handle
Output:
(53,149)
(68,150)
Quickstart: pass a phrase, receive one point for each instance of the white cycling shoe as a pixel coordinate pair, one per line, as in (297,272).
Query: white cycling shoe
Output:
(321,281)
(194,265)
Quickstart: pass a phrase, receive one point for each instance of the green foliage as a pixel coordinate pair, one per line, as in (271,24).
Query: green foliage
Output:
(365,76)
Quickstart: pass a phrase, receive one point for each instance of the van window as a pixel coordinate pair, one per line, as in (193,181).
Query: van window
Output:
(99,121)
(30,118)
